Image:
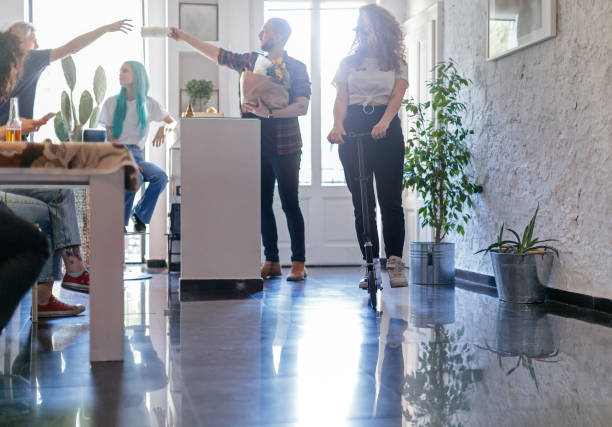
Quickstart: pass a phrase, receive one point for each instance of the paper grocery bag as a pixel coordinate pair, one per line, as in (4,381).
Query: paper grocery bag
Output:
(254,87)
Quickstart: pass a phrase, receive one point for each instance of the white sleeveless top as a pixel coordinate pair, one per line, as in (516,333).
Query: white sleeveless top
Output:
(367,83)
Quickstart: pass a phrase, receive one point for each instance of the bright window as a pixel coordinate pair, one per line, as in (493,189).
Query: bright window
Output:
(337,22)
(58,22)
(298,14)
(333,21)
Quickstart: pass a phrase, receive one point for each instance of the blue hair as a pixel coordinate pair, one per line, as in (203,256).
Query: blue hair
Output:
(141,89)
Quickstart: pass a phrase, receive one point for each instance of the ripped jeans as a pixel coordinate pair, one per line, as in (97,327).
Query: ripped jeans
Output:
(54,211)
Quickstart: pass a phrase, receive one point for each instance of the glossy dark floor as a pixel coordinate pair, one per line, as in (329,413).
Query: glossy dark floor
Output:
(314,354)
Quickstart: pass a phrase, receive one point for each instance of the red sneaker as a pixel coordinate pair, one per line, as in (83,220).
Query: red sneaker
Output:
(56,308)
(79,283)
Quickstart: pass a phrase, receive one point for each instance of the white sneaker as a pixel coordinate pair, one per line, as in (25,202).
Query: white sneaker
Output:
(363,283)
(395,267)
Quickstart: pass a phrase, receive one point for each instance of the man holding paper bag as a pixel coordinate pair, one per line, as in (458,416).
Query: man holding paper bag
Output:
(276,89)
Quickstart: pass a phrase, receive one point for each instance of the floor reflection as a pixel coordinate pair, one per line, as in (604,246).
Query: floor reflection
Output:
(313,354)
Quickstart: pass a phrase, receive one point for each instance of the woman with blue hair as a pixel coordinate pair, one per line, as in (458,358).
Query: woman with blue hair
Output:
(127,117)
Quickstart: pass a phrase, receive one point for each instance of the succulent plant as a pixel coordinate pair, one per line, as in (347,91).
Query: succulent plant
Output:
(68,123)
(527,244)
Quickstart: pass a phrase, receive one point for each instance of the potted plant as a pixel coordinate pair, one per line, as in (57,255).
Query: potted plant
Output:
(437,156)
(69,122)
(199,92)
(522,264)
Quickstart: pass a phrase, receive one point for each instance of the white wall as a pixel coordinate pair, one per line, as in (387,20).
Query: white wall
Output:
(235,33)
(157,63)
(398,8)
(543,127)
(13,11)
(414,7)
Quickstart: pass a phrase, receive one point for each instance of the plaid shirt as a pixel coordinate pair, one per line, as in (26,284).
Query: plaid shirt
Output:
(286,131)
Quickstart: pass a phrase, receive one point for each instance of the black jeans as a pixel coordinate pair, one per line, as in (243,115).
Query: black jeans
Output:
(384,160)
(23,252)
(284,169)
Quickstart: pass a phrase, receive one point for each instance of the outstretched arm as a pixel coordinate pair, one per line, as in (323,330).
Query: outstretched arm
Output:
(84,40)
(208,49)
(236,61)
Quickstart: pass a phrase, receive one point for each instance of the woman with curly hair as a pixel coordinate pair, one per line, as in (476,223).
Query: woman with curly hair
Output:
(370,86)
(24,247)
(11,62)
(12,56)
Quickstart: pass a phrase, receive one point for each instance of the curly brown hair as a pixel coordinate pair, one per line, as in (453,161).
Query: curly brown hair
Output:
(382,29)
(11,62)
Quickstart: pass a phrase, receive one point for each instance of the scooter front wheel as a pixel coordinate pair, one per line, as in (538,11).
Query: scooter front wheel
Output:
(372,288)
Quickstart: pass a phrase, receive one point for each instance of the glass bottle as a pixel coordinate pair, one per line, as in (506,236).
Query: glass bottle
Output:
(13,126)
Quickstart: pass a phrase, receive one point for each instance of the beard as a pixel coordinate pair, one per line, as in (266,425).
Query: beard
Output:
(267,47)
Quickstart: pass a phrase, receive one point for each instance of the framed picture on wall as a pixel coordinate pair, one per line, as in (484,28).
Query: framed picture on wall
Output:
(515,24)
(200,20)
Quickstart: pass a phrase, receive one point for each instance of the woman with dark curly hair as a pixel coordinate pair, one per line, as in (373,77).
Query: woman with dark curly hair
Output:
(24,247)
(370,86)
(12,56)
(11,62)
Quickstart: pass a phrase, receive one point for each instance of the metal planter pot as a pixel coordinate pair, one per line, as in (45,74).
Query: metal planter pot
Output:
(431,306)
(432,263)
(522,278)
(523,329)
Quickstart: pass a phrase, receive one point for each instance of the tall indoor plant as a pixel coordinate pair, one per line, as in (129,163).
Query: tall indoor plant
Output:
(437,156)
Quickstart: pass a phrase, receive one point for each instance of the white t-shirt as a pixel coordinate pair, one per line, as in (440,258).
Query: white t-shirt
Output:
(130,134)
(367,83)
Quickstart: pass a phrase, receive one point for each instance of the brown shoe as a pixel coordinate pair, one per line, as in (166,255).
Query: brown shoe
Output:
(271,269)
(298,272)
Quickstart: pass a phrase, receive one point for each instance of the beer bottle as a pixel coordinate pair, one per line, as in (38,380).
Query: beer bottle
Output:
(13,126)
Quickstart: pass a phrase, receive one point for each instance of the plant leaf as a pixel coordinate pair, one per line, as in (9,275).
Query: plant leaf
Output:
(69,71)
(518,238)
(99,85)
(85,107)
(93,120)
(61,131)
(66,108)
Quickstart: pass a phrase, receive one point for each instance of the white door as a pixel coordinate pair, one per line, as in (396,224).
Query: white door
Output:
(421,41)
(321,36)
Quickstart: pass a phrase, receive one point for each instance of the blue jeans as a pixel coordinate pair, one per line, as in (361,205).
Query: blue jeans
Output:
(284,169)
(39,213)
(62,211)
(157,180)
